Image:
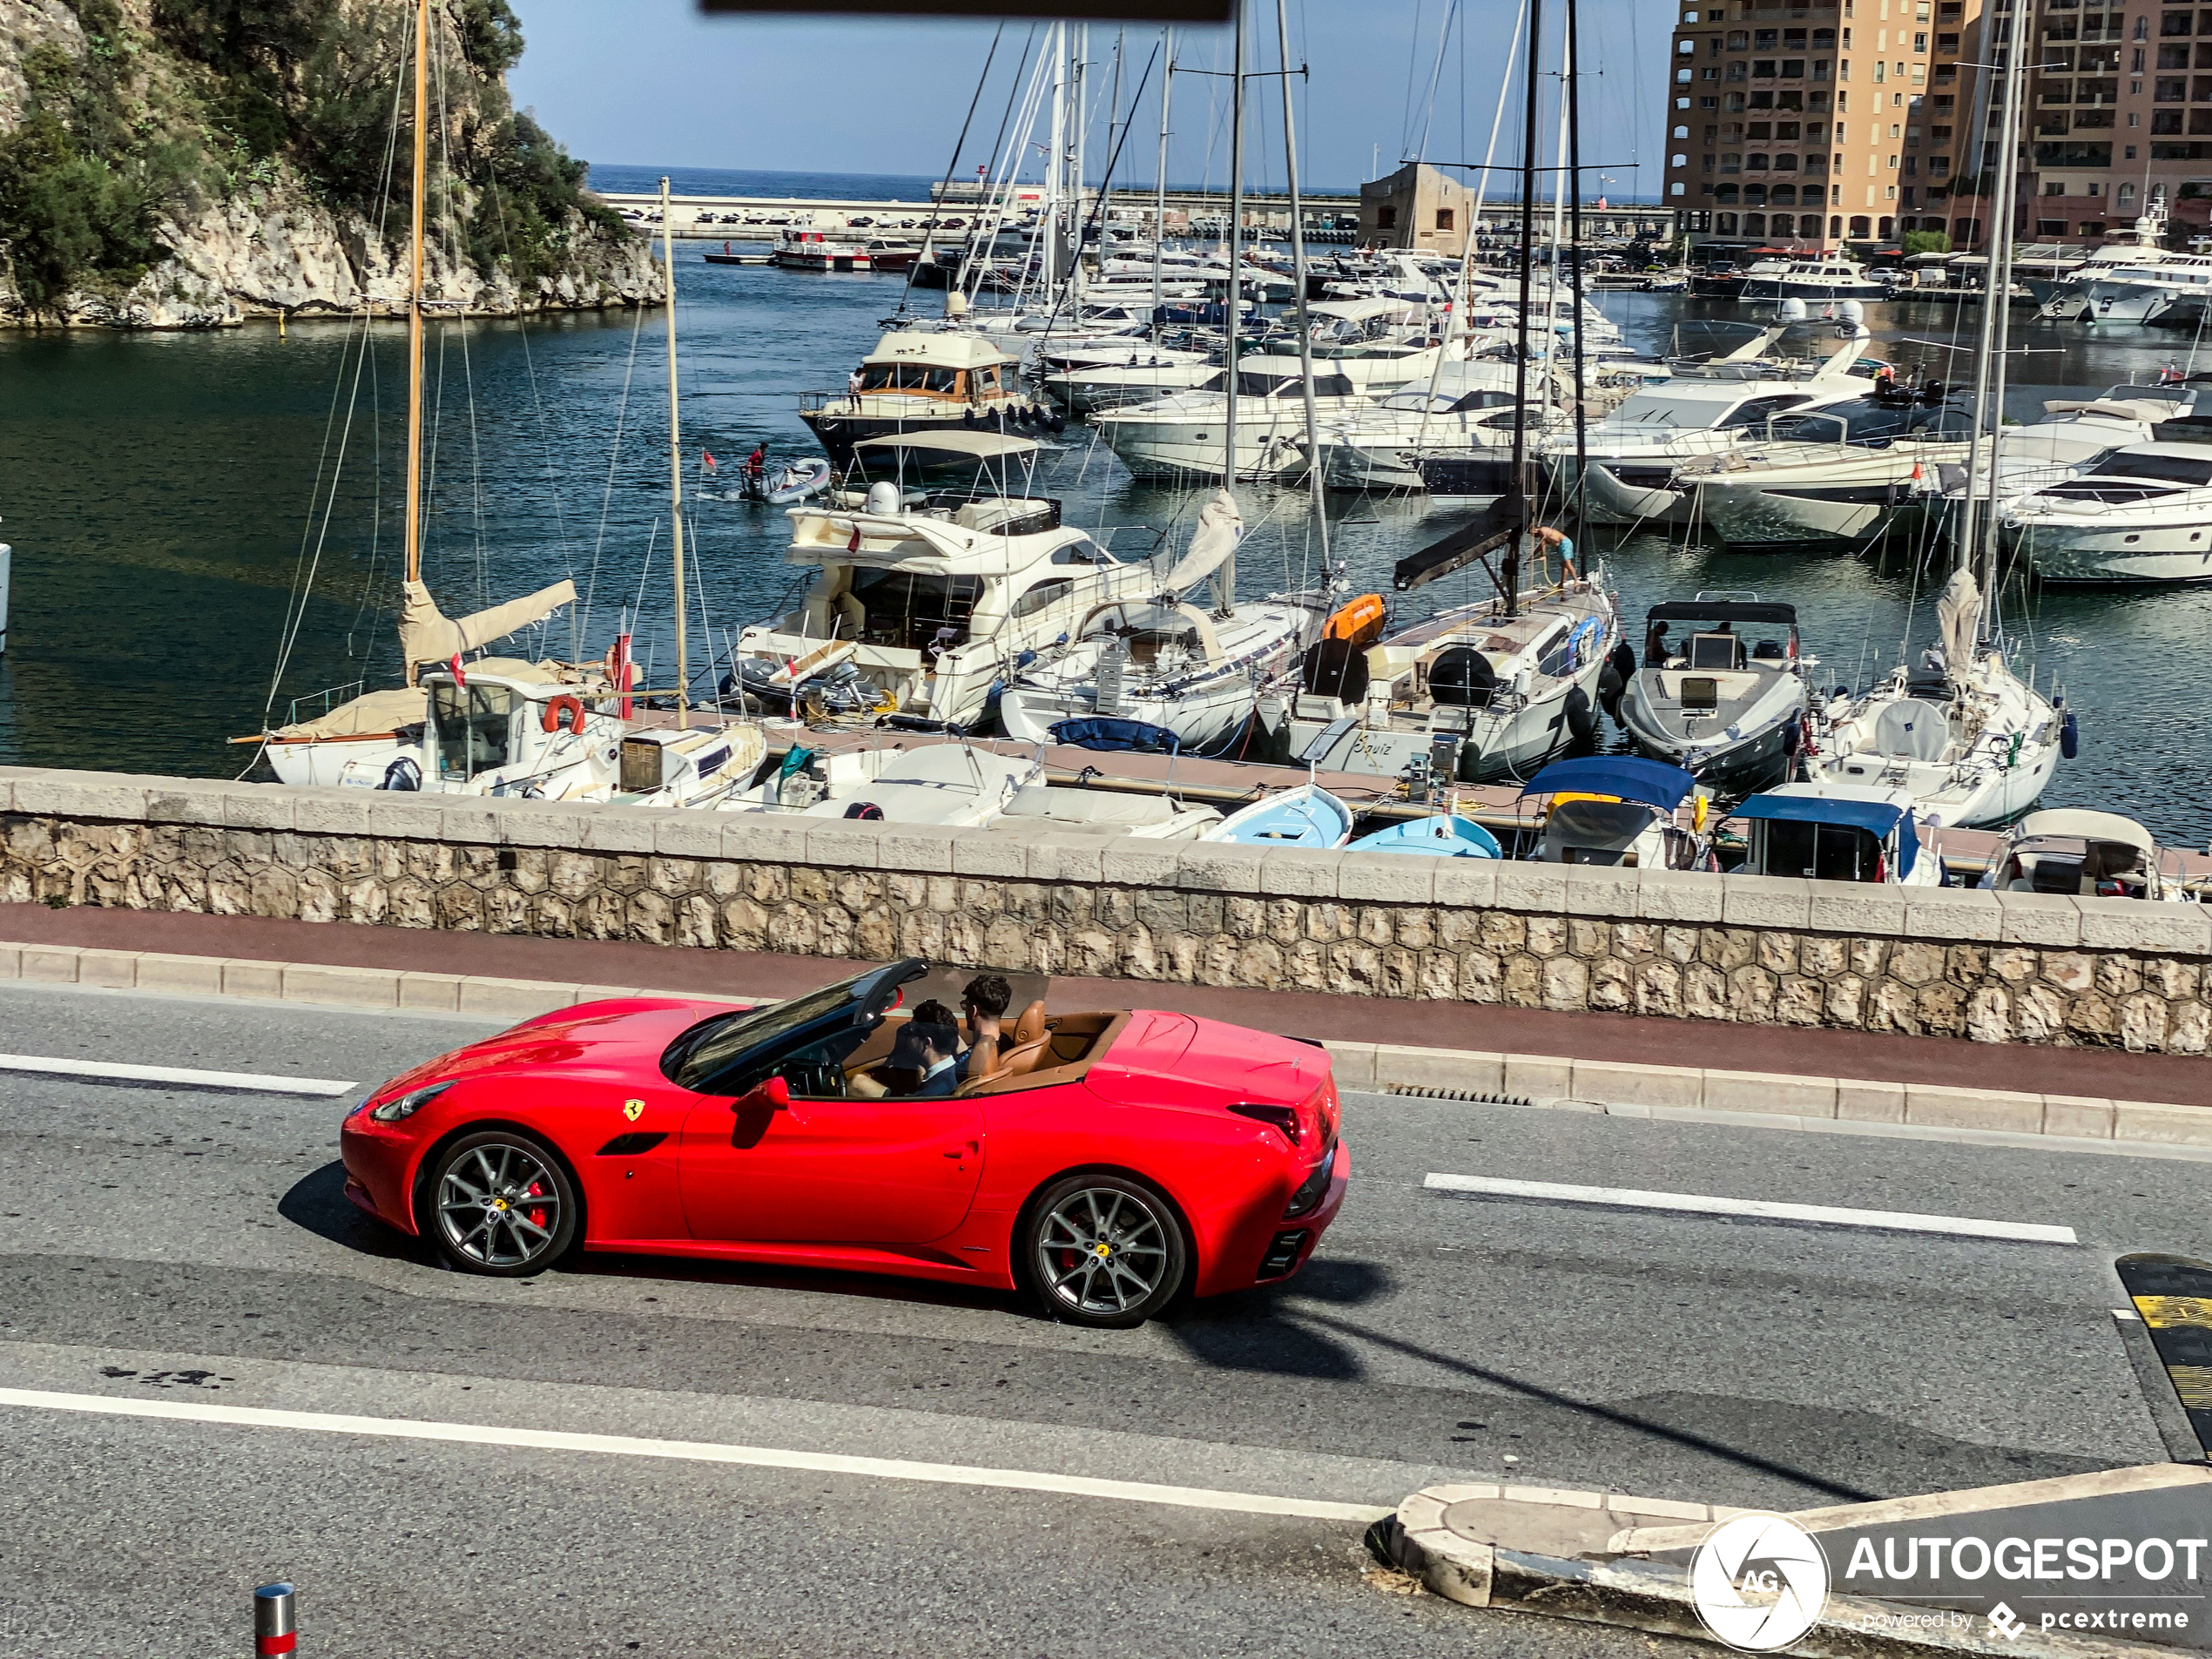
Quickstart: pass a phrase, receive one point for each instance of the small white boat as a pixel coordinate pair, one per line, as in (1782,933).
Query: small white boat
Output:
(795,481)
(1618,810)
(1149,817)
(2089,854)
(1830,832)
(1306,816)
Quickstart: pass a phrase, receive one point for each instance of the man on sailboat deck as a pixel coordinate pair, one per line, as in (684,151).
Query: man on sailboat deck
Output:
(1565,543)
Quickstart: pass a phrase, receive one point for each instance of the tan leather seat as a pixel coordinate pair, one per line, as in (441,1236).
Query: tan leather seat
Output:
(1017,1054)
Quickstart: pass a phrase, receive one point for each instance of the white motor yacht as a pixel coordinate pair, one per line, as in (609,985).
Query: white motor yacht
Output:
(947,380)
(1728,710)
(925,601)
(1187,433)
(1775,496)
(1972,743)
(1467,406)
(1191,670)
(1823,277)
(2141,513)
(1701,409)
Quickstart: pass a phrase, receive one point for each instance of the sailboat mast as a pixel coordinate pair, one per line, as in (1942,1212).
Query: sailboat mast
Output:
(675,469)
(1575,237)
(1235,237)
(415,301)
(1520,486)
(1160,183)
(1314,466)
(1999,298)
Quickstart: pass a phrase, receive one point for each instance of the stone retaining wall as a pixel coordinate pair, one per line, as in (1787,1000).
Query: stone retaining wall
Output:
(2023,967)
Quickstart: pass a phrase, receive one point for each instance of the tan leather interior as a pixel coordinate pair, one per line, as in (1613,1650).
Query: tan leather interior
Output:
(1030,1026)
(1039,1052)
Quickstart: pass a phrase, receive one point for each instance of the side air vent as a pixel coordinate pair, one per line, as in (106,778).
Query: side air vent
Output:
(630,1145)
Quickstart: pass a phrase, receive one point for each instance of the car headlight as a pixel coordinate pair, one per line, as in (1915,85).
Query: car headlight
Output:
(408,1105)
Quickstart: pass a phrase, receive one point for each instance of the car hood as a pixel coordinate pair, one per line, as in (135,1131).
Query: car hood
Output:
(624,1038)
(1211,1063)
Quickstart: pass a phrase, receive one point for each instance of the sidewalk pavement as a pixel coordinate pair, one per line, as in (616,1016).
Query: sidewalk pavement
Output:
(1627,1039)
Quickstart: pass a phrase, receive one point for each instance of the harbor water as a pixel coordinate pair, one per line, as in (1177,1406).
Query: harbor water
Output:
(208,526)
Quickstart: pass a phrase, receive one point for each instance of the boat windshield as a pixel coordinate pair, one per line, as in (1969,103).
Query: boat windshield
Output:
(1671,409)
(2171,469)
(908,377)
(474,727)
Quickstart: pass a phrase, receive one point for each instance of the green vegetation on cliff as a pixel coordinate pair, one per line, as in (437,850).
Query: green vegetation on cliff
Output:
(173,106)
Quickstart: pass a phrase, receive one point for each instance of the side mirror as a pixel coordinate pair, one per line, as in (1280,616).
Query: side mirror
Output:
(774,1094)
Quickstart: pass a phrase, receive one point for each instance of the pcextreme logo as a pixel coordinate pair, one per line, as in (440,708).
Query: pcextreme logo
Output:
(1759,1581)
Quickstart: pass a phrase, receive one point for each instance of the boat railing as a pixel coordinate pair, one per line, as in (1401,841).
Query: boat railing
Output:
(315,704)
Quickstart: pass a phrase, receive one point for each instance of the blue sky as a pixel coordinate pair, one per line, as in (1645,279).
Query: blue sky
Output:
(651,82)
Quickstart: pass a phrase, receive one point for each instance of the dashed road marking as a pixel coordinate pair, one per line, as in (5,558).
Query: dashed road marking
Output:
(183,1076)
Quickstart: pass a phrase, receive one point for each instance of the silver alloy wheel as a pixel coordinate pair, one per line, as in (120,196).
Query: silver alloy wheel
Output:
(499,1205)
(1101,1252)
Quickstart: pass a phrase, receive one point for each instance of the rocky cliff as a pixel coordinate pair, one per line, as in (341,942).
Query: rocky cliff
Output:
(179,164)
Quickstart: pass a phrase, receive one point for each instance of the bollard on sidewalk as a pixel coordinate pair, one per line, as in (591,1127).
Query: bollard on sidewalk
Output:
(273,1627)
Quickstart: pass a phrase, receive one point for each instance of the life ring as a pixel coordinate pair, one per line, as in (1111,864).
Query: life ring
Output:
(564,708)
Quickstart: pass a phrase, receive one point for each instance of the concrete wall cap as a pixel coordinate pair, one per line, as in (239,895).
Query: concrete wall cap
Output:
(1539,889)
(1129,862)
(770,837)
(1782,901)
(1953,913)
(1391,878)
(1301,873)
(618,829)
(405,816)
(2039,919)
(920,849)
(2159,929)
(1065,855)
(1218,867)
(845,843)
(1681,895)
(688,835)
(557,825)
(1601,889)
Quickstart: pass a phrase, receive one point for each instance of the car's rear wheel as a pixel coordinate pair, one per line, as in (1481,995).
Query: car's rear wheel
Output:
(1103,1250)
(499,1203)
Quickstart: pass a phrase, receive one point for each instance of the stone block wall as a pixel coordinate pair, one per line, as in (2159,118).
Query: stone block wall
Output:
(1994,967)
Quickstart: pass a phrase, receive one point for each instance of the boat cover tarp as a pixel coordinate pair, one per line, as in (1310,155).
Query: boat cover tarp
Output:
(1631,776)
(1912,728)
(1104,732)
(1221,526)
(1723,611)
(366,716)
(428,635)
(1877,816)
(1956,609)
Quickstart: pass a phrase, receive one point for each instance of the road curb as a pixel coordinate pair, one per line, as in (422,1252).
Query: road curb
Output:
(1596,1586)
(1684,1093)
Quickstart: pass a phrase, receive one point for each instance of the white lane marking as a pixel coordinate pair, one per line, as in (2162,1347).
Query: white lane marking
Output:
(1694,1203)
(258,1082)
(881,1468)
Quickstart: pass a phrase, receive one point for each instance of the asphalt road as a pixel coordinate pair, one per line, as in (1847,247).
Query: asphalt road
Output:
(173,1245)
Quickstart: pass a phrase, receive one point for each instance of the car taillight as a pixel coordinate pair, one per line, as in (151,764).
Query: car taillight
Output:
(1312,1189)
(1279,1117)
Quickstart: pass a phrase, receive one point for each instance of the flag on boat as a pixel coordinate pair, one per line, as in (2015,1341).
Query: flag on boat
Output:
(708,457)
(459,679)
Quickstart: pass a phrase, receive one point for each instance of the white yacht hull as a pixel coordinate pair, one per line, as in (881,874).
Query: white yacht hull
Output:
(1495,744)
(1174,446)
(2098,552)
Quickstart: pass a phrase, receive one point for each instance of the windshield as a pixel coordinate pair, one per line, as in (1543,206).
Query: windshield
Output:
(2171,469)
(709,1048)
(1659,408)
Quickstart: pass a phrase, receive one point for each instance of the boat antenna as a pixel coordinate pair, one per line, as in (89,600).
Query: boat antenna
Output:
(1519,496)
(414,567)
(675,467)
(1314,466)
(1573,77)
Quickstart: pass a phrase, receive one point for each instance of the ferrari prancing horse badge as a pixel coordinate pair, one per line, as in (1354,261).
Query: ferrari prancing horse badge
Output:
(633,1109)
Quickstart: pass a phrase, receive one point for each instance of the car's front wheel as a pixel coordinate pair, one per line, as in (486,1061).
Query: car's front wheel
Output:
(1104,1251)
(499,1203)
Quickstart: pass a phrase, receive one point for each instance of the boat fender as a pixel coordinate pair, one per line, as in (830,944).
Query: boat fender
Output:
(563,710)
(1792,736)
(864,809)
(2069,737)
(1697,814)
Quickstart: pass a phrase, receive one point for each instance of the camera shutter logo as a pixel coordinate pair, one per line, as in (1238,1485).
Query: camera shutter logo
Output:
(1759,1581)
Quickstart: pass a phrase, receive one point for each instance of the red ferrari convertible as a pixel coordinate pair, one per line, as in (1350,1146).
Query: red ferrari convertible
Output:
(1103,1162)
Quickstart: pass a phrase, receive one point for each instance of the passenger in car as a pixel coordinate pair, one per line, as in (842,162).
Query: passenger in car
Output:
(923,1059)
(984,1001)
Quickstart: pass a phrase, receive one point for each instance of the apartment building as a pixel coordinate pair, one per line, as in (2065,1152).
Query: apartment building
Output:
(2122,120)
(1807,126)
